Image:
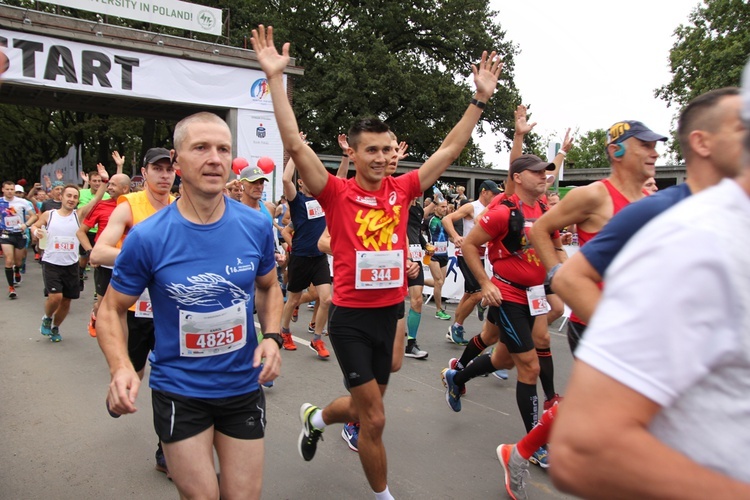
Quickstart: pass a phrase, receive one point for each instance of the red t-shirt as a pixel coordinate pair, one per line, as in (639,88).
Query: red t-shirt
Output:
(523,267)
(363,224)
(99,215)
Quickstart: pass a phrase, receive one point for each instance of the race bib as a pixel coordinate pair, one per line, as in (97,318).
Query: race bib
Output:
(143,306)
(12,221)
(537,300)
(213,333)
(441,247)
(62,244)
(416,253)
(314,210)
(379,270)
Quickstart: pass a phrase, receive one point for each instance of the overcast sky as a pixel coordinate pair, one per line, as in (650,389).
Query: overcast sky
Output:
(589,63)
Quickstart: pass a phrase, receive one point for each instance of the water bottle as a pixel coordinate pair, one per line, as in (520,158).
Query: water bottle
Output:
(438,194)
(42,235)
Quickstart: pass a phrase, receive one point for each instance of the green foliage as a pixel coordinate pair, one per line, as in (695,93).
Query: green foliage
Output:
(406,62)
(589,151)
(709,52)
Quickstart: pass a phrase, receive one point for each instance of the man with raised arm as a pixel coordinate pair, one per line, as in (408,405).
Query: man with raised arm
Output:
(367,218)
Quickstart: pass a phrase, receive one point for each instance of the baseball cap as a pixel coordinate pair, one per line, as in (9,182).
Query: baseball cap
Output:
(489,186)
(252,174)
(155,154)
(19,188)
(624,130)
(529,162)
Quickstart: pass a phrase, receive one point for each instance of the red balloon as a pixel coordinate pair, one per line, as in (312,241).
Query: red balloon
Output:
(238,164)
(266,164)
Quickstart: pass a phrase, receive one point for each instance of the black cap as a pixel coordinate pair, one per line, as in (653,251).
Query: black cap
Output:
(489,186)
(529,162)
(155,154)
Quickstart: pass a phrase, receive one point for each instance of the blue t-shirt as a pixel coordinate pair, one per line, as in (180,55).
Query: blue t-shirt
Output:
(309,222)
(604,247)
(201,279)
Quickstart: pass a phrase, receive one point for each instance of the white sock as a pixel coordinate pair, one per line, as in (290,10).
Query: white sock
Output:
(383,495)
(317,420)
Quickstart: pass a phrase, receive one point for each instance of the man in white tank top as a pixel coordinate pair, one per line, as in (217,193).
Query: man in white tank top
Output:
(472,290)
(60,261)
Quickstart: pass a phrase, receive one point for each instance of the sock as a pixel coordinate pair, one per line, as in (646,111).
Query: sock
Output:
(412,323)
(472,350)
(527,404)
(9,275)
(457,324)
(316,337)
(383,495)
(481,365)
(539,435)
(546,372)
(317,420)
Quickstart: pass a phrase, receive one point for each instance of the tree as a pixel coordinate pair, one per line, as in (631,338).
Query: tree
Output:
(709,53)
(408,63)
(589,151)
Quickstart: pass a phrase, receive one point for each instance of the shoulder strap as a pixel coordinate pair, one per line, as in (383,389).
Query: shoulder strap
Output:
(512,241)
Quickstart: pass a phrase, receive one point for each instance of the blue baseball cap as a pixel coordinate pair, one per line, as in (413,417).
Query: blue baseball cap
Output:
(624,130)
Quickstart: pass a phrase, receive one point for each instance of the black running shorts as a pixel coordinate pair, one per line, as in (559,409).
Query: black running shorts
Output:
(177,417)
(17,240)
(363,341)
(305,270)
(471,285)
(575,334)
(419,280)
(62,279)
(140,340)
(515,323)
(102,276)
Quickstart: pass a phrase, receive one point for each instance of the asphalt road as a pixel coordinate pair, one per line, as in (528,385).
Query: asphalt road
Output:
(59,442)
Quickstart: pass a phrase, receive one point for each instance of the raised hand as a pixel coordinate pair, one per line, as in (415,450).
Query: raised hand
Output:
(567,144)
(343,142)
(401,151)
(47,182)
(270,60)
(102,172)
(59,174)
(523,127)
(119,161)
(486,74)
(84,177)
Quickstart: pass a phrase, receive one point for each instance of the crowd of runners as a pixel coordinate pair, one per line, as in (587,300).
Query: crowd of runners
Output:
(181,279)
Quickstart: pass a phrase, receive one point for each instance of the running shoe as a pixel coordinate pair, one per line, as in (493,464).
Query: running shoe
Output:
(350,433)
(17,278)
(452,390)
(308,438)
(46,328)
(287,340)
(552,402)
(320,348)
(12,293)
(501,374)
(55,335)
(92,325)
(161,462)
(480,311)
(311,305)
(268,384)
(441,314)
(453,364)
(295,314)
(516,470)
(311,328)
(456,335)
(415,352)
(540,458)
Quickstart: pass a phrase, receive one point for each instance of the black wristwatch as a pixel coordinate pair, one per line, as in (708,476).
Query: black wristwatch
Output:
(274,336)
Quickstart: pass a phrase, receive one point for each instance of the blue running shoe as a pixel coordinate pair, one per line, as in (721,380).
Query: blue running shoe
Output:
(540,458)
(46,328)
(55,335)
(452,390)
(350,433)
(501,374)
(456,335)
(480,311)
(268,384)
